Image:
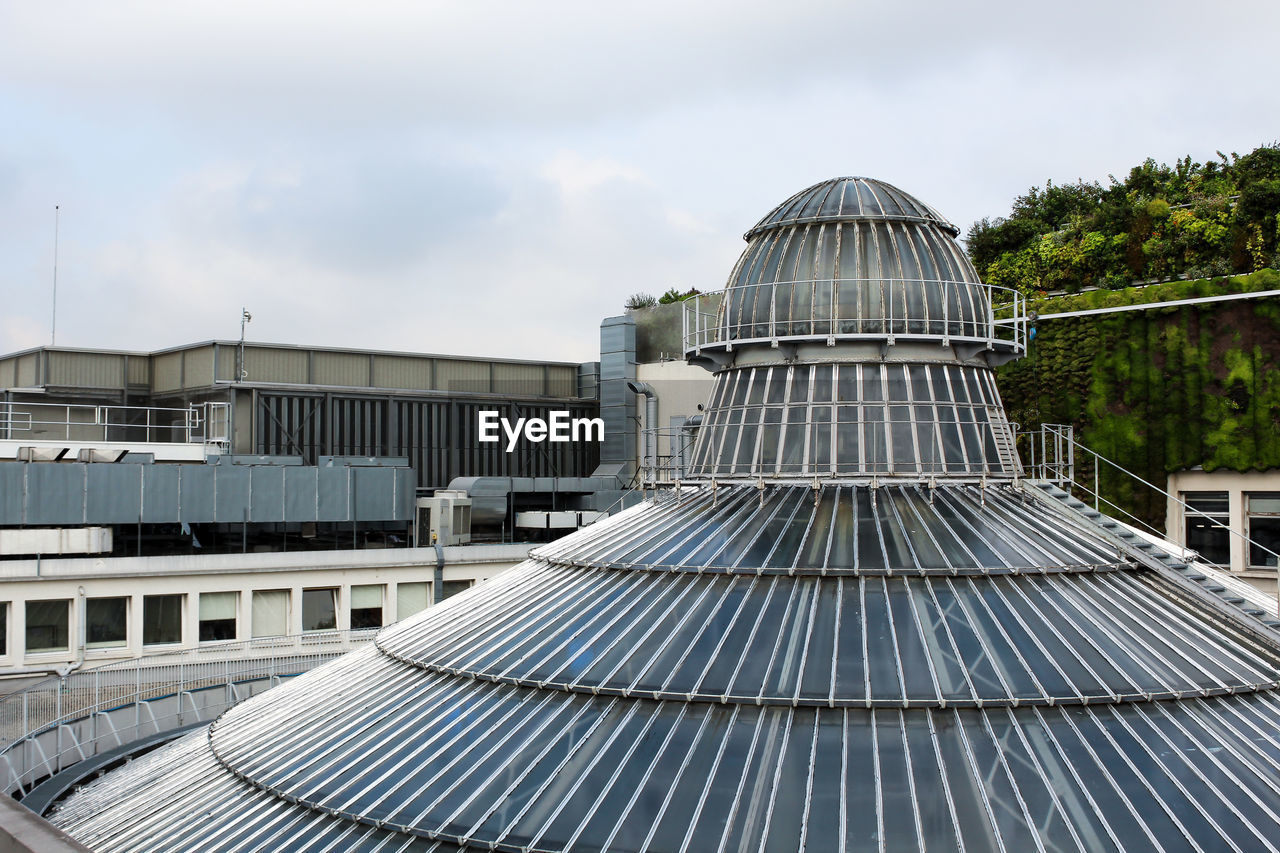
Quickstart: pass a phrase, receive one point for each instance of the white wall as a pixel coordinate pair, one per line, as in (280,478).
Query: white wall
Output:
(134,577)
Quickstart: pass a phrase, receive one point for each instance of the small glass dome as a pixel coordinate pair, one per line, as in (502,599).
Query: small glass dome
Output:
(853,256)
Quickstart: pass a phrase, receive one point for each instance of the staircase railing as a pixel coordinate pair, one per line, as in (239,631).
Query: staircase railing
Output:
(1052,451)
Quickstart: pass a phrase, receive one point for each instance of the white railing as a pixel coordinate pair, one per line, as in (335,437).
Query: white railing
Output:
(201,423)
(835,309)
(59,721)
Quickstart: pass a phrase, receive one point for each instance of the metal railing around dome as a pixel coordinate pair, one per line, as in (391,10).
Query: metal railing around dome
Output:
(61,721)
(836,309)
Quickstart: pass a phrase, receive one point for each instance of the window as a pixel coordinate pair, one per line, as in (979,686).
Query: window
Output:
(161,619)
(320,609)
(105,621)
(452,588)
(47,623)
(270,612)
(411,598)
(1204,536)
(217,616)
(4,628)
(366,606)
(1263,509)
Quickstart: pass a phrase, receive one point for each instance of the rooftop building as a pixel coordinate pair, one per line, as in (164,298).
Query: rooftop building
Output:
(853,625)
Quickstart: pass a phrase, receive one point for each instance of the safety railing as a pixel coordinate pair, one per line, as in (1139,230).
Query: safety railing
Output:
(1049,453)
(834,309)
(59,721)
(1053,451)
(202,423)
(667,468)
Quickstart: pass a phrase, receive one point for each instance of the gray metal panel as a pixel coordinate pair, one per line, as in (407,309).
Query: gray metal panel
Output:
(373,491)
(406,490)
(331,491)
(232,501)
(112,493)
(266,493)
(160,491)
(11,492)
(53,493)
(198,485)
(300,494)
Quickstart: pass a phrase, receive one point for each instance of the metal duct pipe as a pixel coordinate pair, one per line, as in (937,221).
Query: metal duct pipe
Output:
(650,432)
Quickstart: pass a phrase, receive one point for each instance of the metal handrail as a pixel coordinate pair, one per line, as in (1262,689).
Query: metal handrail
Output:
(62,700)
(914,309)
(200,423)
(1063,439)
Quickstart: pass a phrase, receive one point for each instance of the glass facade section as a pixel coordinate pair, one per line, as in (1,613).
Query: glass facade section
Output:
(48,625)
(106,622)
(162,619)
(867,419)
(320,609)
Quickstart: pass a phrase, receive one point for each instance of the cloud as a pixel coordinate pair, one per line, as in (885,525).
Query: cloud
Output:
(496,178)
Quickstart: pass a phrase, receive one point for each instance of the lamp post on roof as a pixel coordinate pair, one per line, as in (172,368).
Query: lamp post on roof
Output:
(245,317)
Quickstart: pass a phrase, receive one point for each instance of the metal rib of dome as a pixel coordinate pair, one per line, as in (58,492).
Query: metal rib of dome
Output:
(944,659)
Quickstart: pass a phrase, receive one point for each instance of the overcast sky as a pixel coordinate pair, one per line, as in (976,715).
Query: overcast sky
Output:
(495,178)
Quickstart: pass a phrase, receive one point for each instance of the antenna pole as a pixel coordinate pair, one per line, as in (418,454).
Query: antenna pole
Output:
(53,326)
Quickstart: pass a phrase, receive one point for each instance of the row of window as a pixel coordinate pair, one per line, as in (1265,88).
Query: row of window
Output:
(1209,537)
(107,621)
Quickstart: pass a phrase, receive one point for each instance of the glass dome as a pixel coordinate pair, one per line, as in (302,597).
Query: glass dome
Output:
(853,256)
(838,656)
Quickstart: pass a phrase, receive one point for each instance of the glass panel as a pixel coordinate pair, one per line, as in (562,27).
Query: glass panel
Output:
(1209,502)
(270,614)
(895,785)
(800,384)
(1264,531)
(47,625)
(791,785)
(320,609)
(451,588)
(410,599)
(105,621)
(161,619)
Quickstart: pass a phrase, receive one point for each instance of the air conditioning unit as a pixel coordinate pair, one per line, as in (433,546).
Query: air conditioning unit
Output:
(445,517)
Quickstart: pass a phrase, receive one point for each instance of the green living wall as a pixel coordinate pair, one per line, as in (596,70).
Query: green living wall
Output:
(1157,390)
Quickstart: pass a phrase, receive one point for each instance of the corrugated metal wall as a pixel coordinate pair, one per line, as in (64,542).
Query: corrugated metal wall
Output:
(197,367)
(166,372)
(85,370)
(340,368)
(268,364)
(440,436)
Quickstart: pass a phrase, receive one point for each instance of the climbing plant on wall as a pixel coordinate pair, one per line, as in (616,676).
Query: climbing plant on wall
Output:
(1157,390)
